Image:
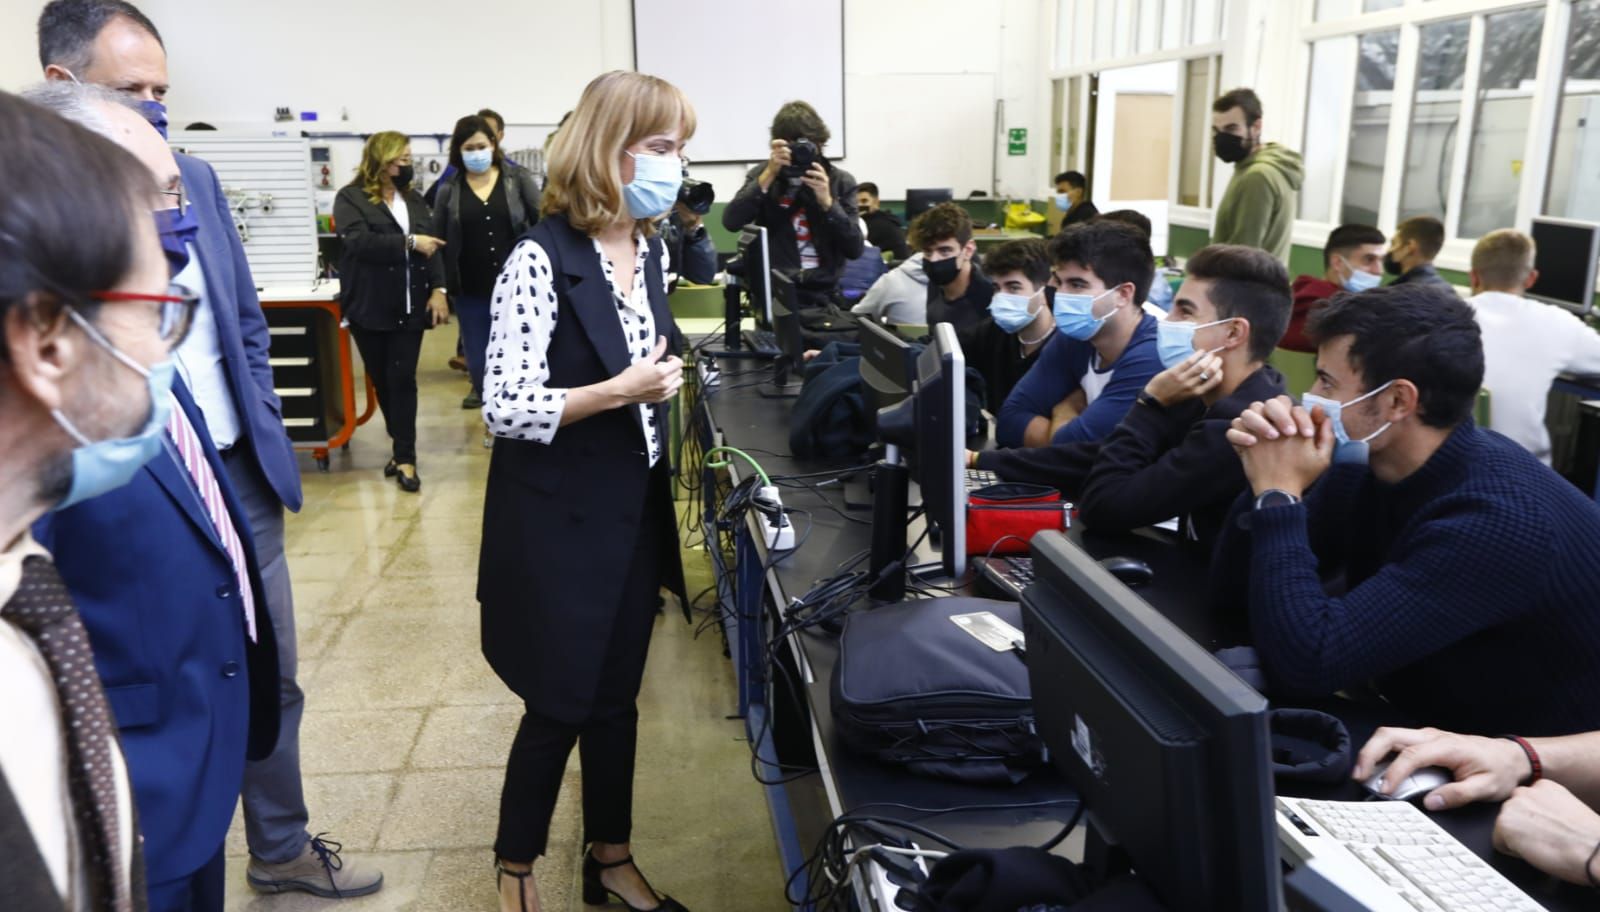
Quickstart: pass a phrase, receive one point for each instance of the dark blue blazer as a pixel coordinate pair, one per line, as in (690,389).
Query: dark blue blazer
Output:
(191,694)
(231,293)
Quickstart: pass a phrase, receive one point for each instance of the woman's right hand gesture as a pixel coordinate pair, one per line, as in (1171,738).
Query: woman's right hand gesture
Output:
(651,380)
(426,244)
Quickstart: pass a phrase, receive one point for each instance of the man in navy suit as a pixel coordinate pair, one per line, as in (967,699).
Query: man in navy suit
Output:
(224,364)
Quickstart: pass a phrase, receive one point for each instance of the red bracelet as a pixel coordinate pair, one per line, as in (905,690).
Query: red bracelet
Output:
(1533,758)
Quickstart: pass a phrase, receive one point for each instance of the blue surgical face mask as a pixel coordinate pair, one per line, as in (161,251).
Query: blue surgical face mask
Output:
(177,229)
(105,465)
(1360,280)
(1345,450)
(1011,312)
(654,188)
(1075,314)
(156,113)
(477,160)
(1161,291)
(1175,340)
(1063,202)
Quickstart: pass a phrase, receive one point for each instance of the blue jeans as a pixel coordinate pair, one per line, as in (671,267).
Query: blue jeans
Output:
(474,314)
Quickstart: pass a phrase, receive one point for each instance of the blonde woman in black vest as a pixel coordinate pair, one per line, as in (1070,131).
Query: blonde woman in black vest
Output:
(579,534)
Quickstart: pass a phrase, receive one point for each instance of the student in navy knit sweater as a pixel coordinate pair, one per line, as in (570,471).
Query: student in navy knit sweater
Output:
(1471,596)
(1090,372)
(1170,455)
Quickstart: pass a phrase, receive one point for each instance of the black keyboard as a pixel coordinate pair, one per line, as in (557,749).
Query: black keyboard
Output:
(980,478)
(1006,576)
(762,341)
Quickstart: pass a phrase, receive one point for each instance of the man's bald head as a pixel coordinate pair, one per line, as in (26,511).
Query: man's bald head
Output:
(110,114)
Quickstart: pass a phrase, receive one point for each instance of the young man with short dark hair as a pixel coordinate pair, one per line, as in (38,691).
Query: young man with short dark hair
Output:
(1352,260)
(1006,343)
(1104,351)
(1259,207)
(958,293)
(1170,456)
(884,229)
(1526,343)
(1467,588)
(1072,198)
(1416,242)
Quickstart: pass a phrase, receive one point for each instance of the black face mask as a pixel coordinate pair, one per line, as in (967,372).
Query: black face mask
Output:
(1391,265)
(942,272)
(1229,148)
(403,180)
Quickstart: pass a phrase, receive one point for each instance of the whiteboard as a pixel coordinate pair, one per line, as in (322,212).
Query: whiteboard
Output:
(739,62)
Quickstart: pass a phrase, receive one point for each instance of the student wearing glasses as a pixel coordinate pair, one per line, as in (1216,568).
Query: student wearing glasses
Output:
(162,569)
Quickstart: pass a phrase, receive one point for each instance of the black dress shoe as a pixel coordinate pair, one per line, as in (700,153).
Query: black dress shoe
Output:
(390,470)
(595,892)
(408,481)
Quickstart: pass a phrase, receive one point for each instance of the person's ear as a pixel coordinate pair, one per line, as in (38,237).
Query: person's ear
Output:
(1238,334)
(969,250)
(39,351)
(1400,400)
(1531,280)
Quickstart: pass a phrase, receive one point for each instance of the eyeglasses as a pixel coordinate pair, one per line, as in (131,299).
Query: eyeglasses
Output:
(177,308)
(181,199)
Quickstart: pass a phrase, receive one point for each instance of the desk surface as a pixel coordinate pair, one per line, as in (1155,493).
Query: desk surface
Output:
(759,425)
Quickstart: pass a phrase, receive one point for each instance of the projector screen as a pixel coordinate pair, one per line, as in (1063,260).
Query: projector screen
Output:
(739,62)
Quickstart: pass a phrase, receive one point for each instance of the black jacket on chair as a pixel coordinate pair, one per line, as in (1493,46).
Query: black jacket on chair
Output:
(561,520)
(835,231)
(522,199)
(375,265)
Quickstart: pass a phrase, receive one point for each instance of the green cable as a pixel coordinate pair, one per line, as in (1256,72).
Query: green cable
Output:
(723,464)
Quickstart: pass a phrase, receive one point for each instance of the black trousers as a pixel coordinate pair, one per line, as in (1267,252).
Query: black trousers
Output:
(606,740)
(391,360)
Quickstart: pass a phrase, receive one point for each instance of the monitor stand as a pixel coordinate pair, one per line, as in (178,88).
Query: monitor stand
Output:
(782,385)
(891,486)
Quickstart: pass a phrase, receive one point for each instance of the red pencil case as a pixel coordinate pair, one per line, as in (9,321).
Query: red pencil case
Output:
(1002,518)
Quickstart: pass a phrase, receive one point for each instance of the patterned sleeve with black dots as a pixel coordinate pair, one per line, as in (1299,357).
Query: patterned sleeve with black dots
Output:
(522,318)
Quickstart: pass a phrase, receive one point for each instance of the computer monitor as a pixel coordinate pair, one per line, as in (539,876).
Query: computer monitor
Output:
(791,342)
(930,430)
(753,267)
(888,365)
(920,201)
(1167,747)
(1566,254)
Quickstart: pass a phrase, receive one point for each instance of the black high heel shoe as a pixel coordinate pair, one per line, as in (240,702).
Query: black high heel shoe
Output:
(409,482)
(595,892)
(501,870)
(391,470)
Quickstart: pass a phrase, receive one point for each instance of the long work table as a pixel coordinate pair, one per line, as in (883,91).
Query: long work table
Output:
(784,688)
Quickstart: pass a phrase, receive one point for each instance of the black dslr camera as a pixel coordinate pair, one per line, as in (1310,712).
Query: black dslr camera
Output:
(802,154)
(696,195)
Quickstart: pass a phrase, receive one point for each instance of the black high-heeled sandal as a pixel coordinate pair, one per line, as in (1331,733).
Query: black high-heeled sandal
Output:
(522,882)
(595,892)
(391,470)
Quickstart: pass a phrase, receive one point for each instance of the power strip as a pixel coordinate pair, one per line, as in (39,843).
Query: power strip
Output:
(779,531)
(710,376)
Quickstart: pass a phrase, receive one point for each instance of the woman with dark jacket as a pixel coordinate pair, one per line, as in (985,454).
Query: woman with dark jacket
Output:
(579,534)
(481,210)
(391,286)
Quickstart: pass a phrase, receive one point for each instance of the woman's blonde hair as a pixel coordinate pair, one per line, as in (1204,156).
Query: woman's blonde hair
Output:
(381,151)
(616,110)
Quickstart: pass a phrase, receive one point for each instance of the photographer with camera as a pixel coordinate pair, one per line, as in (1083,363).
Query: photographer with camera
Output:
(689,252)
(806,203)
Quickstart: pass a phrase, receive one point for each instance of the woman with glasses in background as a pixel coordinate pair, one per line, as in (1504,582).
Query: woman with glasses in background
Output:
(391,286)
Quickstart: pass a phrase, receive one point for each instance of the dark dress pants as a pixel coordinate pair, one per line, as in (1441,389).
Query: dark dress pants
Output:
(391,361)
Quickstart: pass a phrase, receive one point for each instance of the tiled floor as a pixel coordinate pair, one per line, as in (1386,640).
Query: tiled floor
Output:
(406,729)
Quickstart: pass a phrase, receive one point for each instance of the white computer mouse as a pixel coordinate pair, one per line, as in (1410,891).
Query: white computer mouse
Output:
(1416,785)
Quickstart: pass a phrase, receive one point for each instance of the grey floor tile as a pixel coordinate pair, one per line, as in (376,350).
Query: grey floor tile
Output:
(357,740)
(443,809)
(466,736)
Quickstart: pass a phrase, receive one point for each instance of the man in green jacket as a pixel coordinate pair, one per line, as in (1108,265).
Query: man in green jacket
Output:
(1259,207)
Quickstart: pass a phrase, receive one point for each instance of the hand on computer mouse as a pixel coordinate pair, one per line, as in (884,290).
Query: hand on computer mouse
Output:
(1484,769)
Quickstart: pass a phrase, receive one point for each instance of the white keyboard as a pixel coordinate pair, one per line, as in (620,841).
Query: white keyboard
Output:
(1389,855)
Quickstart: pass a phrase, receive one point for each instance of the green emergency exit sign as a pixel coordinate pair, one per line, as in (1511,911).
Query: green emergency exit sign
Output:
(1017,141)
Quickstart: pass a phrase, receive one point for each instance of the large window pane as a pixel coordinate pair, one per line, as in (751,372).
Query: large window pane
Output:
(1203,21)
(1575,165)
(1171,24)
(1378,55)
(1435,117)
(1193,188)
(1333,74)
(1505,106)
(1335,9)
(1372,6)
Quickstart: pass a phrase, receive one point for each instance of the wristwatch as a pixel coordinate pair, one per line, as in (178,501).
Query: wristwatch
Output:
(1275,498)
(1150,401)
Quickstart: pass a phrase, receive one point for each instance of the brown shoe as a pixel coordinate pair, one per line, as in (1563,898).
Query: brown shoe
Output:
(319,871)
(458,363)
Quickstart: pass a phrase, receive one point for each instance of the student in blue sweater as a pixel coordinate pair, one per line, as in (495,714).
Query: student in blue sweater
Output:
(1089,374)
(1470,595)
